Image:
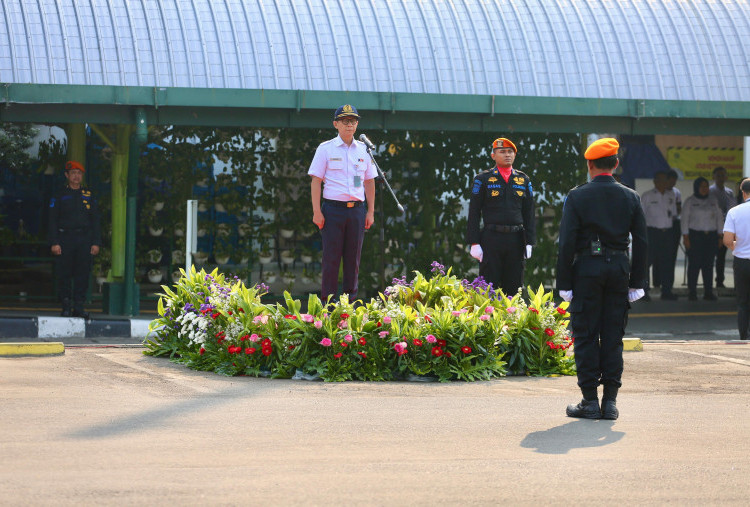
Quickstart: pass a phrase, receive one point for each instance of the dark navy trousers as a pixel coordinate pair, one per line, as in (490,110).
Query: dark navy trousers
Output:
(343,233)
(701,255)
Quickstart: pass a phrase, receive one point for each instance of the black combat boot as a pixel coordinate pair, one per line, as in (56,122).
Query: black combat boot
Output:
(609,403)
(65,308)
(586,409)
(78,310)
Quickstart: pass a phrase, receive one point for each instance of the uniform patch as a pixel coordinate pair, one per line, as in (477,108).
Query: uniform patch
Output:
(520,193)
(52,203)
(477,187)
(492,180)
(495,193)
(518,180)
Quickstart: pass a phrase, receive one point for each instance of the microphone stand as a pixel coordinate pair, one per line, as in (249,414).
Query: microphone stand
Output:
(381,212)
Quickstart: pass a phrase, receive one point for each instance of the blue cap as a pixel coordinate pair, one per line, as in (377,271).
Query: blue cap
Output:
(345,111)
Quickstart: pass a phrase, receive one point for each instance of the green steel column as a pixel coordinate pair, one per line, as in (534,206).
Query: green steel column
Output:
(136,141)
(76,133)
(119,202)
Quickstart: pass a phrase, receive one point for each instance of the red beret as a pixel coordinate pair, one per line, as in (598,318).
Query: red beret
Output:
(502,142)
(604,147)
(72,164)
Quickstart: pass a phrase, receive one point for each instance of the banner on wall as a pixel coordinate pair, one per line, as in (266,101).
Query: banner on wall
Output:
(695,162)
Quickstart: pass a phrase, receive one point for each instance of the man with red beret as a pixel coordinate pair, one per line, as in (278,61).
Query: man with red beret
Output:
(596,276)
(504,199)
(74,236)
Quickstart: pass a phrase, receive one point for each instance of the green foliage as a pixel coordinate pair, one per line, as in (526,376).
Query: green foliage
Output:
(442,327)
(15,139)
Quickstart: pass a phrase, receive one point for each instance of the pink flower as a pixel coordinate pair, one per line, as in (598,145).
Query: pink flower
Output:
(455,313)
(400,348)
(254,338)
(326,342)
(489,309)
(430,338)
(348,338)
(383,334)
(386,320)
(484,317)
(343,324)
(512,309)
(307,318)
(318,324)
(263,319)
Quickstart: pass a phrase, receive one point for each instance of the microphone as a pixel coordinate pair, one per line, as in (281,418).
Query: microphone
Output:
(367,142)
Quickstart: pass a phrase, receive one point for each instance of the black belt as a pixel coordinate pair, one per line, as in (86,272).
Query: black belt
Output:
(503,228)
(696,231)
(665,229)
(80,229)
(344,204)
(606,252)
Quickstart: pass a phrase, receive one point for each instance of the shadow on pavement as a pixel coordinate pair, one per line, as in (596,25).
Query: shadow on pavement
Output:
(573,435)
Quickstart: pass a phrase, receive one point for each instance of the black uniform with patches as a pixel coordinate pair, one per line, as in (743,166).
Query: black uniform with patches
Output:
(606,211)
(499,205)
(74,225)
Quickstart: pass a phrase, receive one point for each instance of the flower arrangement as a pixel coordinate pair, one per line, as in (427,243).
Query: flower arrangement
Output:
(440,327)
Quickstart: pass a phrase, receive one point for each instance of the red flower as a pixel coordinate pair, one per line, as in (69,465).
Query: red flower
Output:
(338,355)
(267,351)
(291,347)
(364,356)
(344,344)
(466,350)
(293,317)
(561,311)
(549,332)
(532,309)
(205,311)
(428,319)
(250,351)
(344,316)
(265,343)
(448,354)
(362,341)
(229,312)
(437,351)
(417,342)
(240,310)
(244,337)
(534,328)
(220,340)
(551,345)
(202,351)
(442,343)
(230,349)
(380,324)
(214,315)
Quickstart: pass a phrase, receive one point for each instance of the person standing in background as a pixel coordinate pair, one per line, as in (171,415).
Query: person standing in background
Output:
(702,225)
(725,197)
(676,228)
(737,239)
(74,236)
(660,206)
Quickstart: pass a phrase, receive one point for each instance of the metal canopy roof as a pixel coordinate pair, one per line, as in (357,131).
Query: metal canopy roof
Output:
(687,58)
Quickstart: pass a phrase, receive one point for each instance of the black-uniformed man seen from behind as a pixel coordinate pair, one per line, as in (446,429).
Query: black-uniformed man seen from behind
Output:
(504,199)
(74,236)
(596,276)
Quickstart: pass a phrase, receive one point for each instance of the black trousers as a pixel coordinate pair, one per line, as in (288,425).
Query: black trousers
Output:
(74,265)
(721,256)
(343,234)
(660,258)
(503,261)
(598,316)
(742,288)
(701,259)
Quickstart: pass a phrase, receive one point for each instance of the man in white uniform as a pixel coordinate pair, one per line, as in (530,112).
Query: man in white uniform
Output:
(737,239)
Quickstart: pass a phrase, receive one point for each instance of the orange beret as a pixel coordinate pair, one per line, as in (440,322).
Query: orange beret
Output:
(72,164)
(604,147)
(502,142)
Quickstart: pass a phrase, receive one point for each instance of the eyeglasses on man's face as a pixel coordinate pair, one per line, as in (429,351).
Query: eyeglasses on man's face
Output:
(349,121)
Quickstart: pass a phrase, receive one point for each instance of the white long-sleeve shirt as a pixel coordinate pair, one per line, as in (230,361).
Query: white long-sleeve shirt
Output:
(702,215)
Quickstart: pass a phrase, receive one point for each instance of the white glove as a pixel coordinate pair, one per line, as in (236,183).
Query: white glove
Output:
(567,295)
(528,251)
(635,294)
(476,252)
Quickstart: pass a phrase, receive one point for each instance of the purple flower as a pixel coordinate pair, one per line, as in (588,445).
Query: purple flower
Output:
(437,267)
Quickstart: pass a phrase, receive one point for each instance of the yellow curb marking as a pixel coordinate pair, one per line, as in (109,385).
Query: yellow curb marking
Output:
(31,349)
(632,344)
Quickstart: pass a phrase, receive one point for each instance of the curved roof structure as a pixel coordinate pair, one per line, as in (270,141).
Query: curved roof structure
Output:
(627,50)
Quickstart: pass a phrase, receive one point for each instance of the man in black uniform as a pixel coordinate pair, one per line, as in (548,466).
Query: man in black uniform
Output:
(594,273)
(504,199)
(74,236)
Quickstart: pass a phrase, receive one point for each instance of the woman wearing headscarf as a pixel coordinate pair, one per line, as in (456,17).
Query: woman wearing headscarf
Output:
(702,226)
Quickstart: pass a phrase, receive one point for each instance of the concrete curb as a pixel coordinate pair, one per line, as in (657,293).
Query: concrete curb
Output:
(31,349)
(72,327)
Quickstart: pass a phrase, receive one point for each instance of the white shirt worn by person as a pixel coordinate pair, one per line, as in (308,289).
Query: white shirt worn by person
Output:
(659,208)
(343,169)
(738,222)
(702,215)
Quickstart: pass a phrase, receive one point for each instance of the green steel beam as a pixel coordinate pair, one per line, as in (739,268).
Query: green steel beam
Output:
(297,108)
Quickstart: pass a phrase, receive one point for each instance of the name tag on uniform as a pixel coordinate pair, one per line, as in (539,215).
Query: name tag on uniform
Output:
(357,181)
(336,158)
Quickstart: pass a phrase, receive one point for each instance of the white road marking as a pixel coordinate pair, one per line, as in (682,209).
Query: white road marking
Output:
(715,356)
(177,379)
